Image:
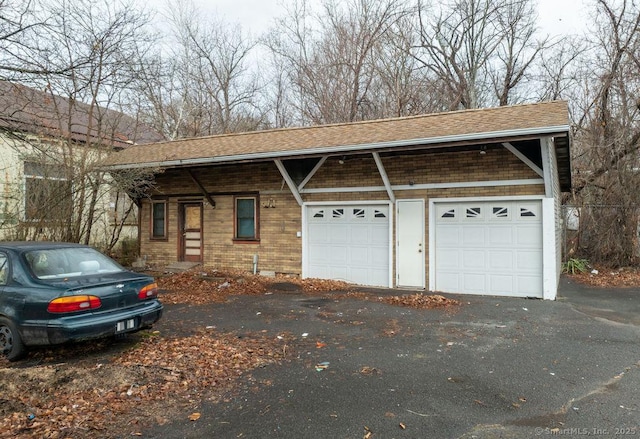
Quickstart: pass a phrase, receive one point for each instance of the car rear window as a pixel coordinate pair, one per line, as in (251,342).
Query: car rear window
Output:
(59,263)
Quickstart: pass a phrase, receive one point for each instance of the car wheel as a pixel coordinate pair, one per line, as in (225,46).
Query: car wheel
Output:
(11,344)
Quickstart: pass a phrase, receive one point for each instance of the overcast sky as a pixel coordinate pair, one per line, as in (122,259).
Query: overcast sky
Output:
(256,16)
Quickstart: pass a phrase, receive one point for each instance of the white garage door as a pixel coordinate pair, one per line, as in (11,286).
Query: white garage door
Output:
(349,243)
(489,248)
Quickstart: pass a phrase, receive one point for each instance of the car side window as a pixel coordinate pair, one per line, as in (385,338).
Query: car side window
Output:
(4,269)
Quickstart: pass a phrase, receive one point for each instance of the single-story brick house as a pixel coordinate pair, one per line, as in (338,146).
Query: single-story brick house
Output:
(462,202)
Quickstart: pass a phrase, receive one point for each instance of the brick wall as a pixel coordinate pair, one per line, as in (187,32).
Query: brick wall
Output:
(279,249)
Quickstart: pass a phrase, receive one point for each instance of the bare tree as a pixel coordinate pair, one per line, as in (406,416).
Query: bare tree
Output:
(75,117)
(331,56)
(517,52)
(402,87)
(19,29)
(607,144)
(478,48)
(558,71)
(204,84)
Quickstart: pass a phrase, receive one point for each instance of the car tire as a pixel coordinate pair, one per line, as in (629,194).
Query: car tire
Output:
(11,345)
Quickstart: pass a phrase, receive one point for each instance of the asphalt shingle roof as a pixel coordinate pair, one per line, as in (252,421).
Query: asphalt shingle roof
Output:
(547,118)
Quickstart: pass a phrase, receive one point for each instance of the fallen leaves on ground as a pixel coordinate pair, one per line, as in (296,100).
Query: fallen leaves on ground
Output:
(421,301)
(97,394)
(208,286)
(199,287)
(607,277)
(112,399)
(415,300)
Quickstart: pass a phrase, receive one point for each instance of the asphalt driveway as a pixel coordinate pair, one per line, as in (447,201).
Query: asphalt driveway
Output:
(491,368)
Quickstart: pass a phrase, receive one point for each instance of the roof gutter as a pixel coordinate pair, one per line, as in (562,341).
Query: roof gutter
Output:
(544,131)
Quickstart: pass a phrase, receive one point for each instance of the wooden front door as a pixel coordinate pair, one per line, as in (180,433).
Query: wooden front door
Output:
(191,232)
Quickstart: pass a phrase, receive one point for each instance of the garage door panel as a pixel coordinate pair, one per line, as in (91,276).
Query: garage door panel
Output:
(489,247)
(348,243)
(448,259)
(501,259)
(339,254)
(321,255)
(379,235)
(500,236)
(318,233)
(473,235)
(530,286)
(338,233)
(501,284)
(358,255)
(358,275)
(528,235)
(449,282)
(449,235)
(338,273)
(359,235)
(529,260)
(473,282)
(378,278)
(473,259)
(379,257)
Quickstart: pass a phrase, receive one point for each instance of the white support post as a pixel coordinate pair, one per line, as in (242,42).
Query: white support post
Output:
(385,178)
(313,172)
(549,254)
(546,166)
(524,158)
(290,183)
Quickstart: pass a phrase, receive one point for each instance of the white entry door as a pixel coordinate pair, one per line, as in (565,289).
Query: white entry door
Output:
(348,242)
(410,243)
(488,247)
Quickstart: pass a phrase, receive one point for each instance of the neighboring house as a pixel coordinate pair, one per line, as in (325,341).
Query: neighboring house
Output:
(49,150)
(460,202)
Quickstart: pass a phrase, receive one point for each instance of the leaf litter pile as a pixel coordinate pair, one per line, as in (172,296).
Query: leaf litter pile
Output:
(204,287)
(609,278)
(153,381)
(114,389)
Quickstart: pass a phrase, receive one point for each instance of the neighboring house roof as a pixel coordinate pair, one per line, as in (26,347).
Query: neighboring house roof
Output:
(42,113)
(434,130)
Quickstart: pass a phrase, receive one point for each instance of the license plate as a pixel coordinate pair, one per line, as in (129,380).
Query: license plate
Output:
(125,325)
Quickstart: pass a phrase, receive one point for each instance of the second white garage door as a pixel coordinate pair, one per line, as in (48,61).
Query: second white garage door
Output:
(349,243)
(489,248)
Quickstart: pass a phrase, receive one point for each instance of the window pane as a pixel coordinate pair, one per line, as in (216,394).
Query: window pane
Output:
(192,217)
(245,218)
(69,262)
(44,170)
(158,220)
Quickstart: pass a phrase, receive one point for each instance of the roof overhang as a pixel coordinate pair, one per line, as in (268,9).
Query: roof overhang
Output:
(420,143)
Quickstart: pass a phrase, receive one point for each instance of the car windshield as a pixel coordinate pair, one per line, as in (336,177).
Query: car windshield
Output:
(59,263)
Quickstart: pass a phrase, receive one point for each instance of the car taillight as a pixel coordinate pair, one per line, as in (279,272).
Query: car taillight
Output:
(148,291)
(73,304)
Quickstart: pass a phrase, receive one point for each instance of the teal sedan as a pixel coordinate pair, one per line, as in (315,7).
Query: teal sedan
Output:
(53,293)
